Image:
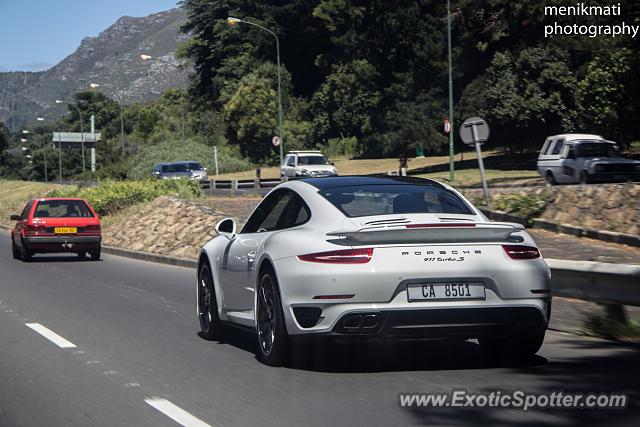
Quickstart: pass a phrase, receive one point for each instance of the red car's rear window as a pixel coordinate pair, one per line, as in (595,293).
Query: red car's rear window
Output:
(62,209)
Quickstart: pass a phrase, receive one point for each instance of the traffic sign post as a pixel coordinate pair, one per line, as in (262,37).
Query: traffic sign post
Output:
(475,131)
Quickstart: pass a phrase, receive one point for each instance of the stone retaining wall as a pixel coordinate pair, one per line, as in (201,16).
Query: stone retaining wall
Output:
(165,226)
(612,207)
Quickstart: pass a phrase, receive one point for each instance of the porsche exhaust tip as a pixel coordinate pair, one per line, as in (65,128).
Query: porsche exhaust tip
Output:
(360,323)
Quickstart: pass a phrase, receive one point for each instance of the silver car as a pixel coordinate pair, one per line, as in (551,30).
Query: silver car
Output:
(584,158)
(189,169)
(373,258)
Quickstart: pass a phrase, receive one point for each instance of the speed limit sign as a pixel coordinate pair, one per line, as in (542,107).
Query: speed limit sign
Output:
(275,141)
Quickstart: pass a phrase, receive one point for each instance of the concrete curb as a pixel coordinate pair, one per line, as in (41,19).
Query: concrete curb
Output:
(605,236)
(148,256)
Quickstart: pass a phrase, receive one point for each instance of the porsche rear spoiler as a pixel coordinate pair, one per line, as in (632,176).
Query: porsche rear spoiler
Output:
(498,232)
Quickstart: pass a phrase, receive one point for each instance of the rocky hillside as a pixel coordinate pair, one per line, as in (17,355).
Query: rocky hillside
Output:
(112,60)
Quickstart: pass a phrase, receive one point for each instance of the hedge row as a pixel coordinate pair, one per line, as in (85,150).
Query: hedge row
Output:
(111,196)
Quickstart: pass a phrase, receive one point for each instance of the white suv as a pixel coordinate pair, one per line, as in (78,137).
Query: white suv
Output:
(310,164)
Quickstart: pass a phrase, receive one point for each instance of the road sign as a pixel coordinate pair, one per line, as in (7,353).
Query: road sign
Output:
(473,130)
(74,139)
(275,141)
(446,124)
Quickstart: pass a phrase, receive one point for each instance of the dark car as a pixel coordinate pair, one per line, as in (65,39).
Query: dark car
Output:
(56,225)
(189,169)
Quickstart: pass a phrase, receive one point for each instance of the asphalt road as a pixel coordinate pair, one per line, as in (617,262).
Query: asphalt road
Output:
(131,356)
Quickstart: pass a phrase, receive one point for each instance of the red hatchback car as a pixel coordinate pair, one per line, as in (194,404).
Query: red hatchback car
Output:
(56,225)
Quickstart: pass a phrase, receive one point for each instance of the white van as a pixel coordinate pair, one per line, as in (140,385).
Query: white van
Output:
(583,158)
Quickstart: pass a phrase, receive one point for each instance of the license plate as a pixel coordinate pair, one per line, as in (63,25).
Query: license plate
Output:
(445,291)
(65,230)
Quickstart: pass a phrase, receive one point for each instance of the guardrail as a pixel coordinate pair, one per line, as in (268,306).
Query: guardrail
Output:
(596,281)
(234,185)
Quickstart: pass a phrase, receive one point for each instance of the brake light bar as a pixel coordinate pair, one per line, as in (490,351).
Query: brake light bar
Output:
(440,225)
(346,256)
(521,251)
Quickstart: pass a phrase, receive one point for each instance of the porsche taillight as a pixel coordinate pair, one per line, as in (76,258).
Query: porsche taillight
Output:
(521,251)
(345,256)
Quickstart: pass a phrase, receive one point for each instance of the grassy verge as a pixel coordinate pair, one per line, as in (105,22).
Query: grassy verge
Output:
(358,166)
(107,198)
(15,194)
(471,177)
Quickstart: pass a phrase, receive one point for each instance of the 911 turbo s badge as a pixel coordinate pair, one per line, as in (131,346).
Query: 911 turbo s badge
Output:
(450,258)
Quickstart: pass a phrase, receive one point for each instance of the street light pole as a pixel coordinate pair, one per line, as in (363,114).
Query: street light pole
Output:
(155,58)
(44,146)
(81,131)
(451,120)
(232,21)
(119,100)
(121,127)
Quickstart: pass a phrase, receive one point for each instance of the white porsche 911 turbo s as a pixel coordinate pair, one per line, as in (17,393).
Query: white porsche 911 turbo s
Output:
(360,257)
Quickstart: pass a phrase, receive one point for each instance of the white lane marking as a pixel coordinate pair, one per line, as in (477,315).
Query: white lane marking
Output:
(51,336)
(176,413)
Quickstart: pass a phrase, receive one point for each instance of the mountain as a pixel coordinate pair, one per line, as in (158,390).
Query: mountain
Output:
(112,60)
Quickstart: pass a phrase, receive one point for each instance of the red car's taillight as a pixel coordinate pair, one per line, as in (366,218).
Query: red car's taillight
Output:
(35,230)
(93,229)
(346,256)
(521,251)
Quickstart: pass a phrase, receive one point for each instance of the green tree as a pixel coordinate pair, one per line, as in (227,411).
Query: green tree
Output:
(530,96)
(346,102)
(251,118)
(606,93)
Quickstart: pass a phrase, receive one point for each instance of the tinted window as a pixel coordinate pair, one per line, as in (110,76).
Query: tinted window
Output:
(558,146)
(25,211)
(281,209)
(312,160)
(291,161)
(181,167)
(549,147)
(62,209)
(295,213)
(369,200)
(595,149)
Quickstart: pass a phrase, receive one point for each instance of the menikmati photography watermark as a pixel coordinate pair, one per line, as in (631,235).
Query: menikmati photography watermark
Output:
(518,399)
(589,30)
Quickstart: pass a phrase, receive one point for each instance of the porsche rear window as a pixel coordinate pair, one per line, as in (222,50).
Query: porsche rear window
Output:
(62,209)
(368,200)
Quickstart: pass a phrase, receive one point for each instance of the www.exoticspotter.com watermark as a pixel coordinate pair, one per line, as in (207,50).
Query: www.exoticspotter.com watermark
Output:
(517,399)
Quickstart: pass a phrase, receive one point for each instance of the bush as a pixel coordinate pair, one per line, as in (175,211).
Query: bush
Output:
(526,206)
(111,196)
(341,147)
(140,166)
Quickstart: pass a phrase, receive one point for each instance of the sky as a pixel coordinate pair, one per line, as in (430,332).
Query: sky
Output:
(37,34)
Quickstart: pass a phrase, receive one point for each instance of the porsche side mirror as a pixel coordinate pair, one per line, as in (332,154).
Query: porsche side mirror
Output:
(15,217)
(226,226)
